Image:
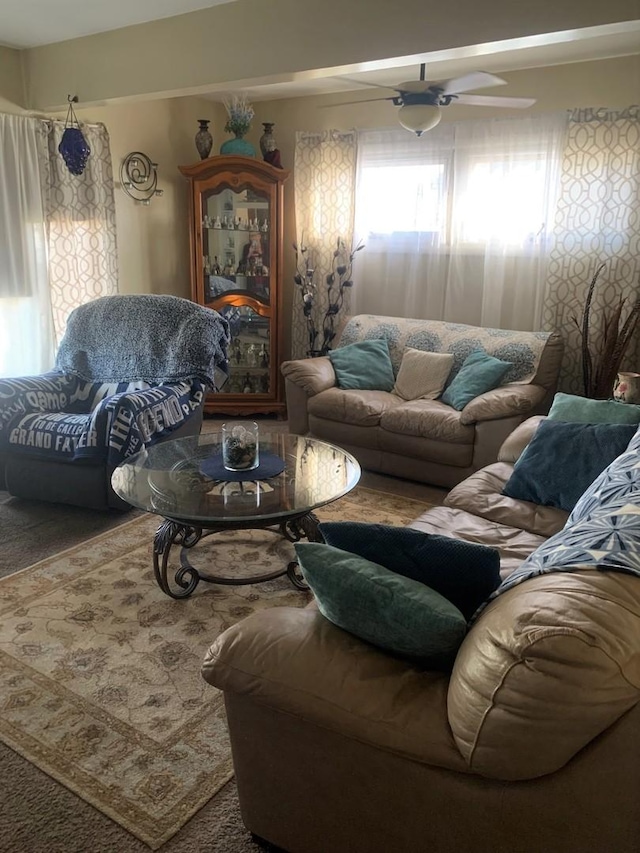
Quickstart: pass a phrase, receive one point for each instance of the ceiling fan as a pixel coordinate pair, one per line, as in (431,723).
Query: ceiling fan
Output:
(420,101)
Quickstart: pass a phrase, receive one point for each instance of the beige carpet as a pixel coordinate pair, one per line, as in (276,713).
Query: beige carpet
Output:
(100,670)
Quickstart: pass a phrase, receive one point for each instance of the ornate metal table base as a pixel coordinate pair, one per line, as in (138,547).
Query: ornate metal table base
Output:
(186,535)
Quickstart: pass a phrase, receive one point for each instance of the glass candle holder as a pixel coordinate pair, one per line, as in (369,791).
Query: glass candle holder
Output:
(240,446)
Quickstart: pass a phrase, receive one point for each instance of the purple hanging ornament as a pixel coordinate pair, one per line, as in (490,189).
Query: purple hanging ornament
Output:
(73,147)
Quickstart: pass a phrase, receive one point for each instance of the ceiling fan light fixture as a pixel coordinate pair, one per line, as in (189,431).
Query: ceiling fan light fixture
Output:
(419,118)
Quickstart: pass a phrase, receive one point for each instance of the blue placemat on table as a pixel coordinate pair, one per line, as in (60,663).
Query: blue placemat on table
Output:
(270,466)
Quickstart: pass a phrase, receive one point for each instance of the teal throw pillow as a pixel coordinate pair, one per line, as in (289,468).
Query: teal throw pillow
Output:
(563,459)
(465,573)
(568,407)
(365,366)
(480,372)
(397,614)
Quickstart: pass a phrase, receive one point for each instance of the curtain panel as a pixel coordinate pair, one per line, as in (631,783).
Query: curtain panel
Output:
(57,238)
(26,326)
(80,218)
(457,222)
(325,176)
(598,220)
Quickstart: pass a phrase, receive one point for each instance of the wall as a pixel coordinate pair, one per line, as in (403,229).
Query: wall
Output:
(12,91)
(153,240)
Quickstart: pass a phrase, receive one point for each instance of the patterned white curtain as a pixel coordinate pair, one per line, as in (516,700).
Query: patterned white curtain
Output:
(598,220)
(325,175)
(80,218)
(26,327)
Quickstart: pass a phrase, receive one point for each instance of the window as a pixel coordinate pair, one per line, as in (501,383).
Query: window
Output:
(443,189)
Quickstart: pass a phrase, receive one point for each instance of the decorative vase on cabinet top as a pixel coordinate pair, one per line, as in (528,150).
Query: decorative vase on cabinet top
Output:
(204,140)
(238,145)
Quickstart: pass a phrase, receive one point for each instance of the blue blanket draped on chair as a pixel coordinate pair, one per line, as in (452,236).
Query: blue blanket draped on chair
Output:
(102,341)
(129,371)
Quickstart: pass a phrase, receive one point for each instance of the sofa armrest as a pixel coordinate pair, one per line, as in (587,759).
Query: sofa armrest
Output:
(295,661)
(305,378)
(546,668)
(503,402)
(313,375)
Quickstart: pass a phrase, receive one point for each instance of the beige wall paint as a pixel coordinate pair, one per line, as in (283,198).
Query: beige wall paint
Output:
(12,91)
(153,240)
(252,40)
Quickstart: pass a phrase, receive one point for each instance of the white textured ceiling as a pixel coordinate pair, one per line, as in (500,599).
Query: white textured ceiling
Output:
(29,23)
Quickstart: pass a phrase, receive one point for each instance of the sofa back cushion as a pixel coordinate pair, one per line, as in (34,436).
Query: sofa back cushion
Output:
(534,355)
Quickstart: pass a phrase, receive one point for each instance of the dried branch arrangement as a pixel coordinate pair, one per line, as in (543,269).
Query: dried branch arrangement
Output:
(320,338)
(602,353)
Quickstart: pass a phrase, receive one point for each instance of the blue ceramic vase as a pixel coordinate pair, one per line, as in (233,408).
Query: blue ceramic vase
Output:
(238,145)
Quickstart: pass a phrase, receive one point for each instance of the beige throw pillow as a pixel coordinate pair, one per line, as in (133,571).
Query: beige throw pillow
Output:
(422,375)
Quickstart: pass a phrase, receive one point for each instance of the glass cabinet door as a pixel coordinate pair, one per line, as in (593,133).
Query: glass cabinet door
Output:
(236,269)
(236,245)
(249,352)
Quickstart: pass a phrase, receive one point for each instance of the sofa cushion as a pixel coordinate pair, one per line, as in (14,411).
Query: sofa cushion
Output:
(362,408)
(365,365)
(513,544)
(482,495)
(563,459)
(568,407)
(427,419)
(464,573)
(393,612)
(422,375)
(479,373)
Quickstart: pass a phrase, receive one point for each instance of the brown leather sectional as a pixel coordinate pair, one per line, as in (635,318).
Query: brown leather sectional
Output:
(530,745)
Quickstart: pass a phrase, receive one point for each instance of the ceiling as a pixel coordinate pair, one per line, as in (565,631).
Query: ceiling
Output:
(592,43)
(30,23)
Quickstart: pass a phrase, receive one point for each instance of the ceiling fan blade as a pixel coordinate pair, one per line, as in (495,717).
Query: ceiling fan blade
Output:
(347,103)
(494,101)
(475,80)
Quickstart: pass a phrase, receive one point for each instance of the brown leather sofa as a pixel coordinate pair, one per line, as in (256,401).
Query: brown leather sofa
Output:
(424,440)
(530,745)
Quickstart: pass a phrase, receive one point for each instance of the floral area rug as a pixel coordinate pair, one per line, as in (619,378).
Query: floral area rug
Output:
(100,681)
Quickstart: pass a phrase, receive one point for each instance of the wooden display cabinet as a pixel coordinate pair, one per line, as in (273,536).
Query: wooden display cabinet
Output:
(236,225)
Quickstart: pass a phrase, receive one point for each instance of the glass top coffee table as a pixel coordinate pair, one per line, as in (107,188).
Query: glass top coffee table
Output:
(166,479)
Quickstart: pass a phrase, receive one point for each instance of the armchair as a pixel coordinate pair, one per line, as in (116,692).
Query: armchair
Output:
(130,371)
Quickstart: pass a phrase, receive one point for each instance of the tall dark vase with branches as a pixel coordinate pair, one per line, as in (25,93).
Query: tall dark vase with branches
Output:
(602,354)
(320,336)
